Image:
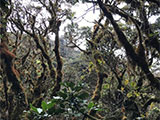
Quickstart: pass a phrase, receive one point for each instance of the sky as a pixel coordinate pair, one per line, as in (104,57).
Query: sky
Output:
(87,11)
(85,15)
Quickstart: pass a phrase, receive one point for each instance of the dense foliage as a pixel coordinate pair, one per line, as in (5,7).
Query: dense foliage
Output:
(107,71)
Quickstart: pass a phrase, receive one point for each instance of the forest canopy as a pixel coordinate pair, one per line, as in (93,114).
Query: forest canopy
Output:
(54,67)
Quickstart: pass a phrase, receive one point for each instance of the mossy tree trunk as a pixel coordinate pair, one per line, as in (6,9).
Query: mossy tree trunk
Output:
(16,99)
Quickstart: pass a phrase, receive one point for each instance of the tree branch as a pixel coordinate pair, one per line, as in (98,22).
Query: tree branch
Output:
(129,48)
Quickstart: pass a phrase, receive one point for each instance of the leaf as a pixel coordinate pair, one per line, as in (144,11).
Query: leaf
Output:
(78,88)
(91,66)
(90,105)
(142,115)
(73,14)
(78,115)
(44,105)
(50,105)
(137,93)
(151,106)
(34,109)
(62,94)
(38,61)
(83,95)
(89,69)
(82,77)
(69,17)
(0,35)
(91,63)
(62,105)
(122,89)
(151,34)
(106,86)
(51,111)
(126,82)
(99,61)
(98,109)
(59,111)
(71,85)
(133,84)
(63,84)
(129,94)
(64,90)
(82,110)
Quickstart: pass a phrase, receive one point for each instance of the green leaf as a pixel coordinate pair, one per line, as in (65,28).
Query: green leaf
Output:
(129,94)
(90,105)
(50,105)
(54,101)
(78,114)
(151,34)
(63,83)
(62,94)
(106,86)
(91,63)
(126,82)
(70,84)
(78,88)
(34,109)
(64,90)
(38,61)
(0,36)
(99,61)
(82,77)
(133,84)
(137,94)
(90,66)
(83,95)
(59,111)
(73,14)
(69,17)
(62,105)
(98,109)
(82,110)
(44,105)
(51,111)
